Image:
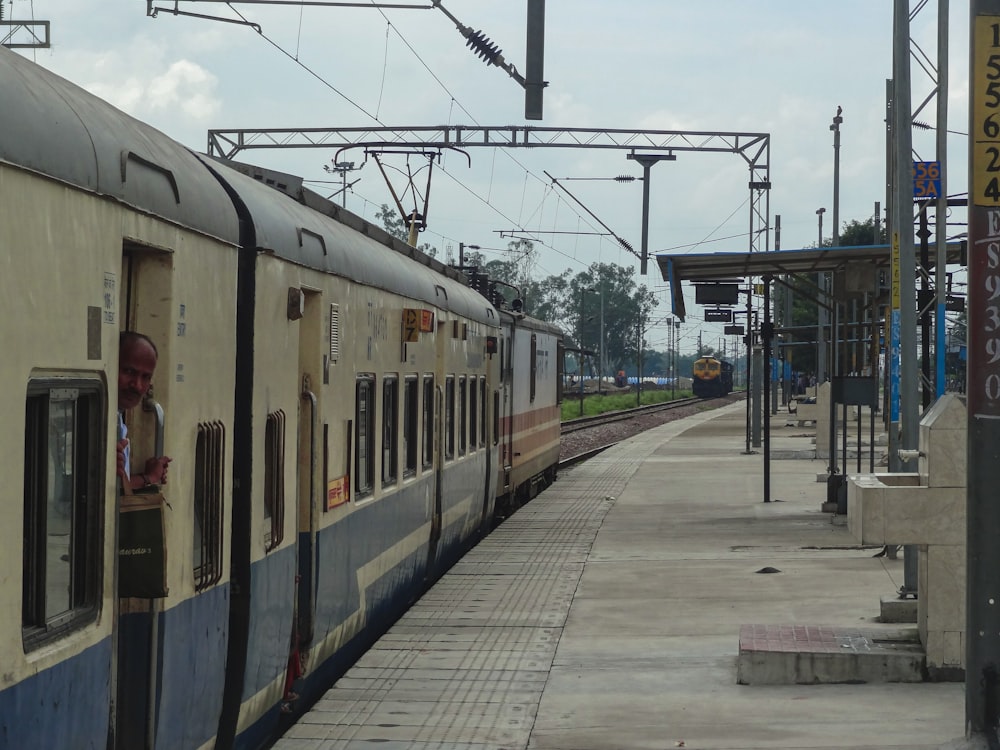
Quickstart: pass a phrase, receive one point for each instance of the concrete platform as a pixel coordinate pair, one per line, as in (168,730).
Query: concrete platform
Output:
(607,615)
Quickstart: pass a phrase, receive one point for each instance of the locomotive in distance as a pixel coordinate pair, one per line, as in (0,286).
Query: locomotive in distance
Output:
(328,459)
(711,377)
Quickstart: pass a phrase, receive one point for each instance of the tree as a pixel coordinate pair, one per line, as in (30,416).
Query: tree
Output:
(626,307)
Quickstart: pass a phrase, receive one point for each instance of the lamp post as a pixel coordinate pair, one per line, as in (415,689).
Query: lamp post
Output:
(677,354)
(820,310)
(600,343)
(583,291)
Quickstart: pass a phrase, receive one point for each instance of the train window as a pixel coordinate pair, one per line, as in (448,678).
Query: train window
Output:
(410,425)
(482,406)
(560,370)
(364,436)
(503,343)
(534,366)
(209,457)
(463,413)
(496,417)
(473,413)
(64,437)
(390,429)
(274,480)
(449,416)
(427,412)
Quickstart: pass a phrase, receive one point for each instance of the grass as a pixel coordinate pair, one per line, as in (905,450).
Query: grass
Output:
(594,405)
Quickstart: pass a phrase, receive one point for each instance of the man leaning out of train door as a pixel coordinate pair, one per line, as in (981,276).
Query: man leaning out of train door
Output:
(137,357)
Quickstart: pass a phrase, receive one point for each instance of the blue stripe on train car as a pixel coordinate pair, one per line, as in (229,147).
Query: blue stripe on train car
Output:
(369,532)
(65,706)
(193,635)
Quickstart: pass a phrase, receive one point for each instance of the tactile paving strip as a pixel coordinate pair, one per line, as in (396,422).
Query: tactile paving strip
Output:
(465,667)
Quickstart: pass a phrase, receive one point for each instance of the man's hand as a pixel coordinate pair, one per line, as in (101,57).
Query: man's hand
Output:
(156,469)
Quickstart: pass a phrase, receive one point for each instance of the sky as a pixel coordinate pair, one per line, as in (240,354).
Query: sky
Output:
(781,67)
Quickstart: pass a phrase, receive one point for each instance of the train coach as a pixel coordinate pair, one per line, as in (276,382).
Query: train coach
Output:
(341,419)
(711,377)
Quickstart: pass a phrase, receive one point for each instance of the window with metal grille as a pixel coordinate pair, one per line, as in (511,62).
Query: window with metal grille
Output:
(410,415)
(473,413)
(209,462)
(449,416)
(64,438)
(463,426)
(390,430)
(427,413)
(334,333)
(496,417)
(274,480)
(364,435)
(534,365)
(482,406)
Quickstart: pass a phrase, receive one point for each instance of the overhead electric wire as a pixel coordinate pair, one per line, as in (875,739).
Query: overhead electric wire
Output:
(375,117)
(306,68)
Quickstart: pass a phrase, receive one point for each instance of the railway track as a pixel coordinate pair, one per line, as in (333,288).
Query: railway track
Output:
(586,437)
(573,425)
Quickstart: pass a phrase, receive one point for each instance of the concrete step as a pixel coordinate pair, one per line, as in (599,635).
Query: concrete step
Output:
(817,654)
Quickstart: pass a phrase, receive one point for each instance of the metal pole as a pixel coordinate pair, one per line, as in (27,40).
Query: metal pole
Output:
(677,335)
(766,331)
(821,313)
(982,668)
(835,127)
(941,215)
(600,355)
(904,294)
(579,357)
(903,228)
(638,362)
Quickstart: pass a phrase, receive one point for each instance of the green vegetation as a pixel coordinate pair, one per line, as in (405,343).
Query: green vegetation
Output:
(594,405)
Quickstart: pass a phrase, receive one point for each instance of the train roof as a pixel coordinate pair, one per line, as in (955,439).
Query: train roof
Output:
(298,225)
(55,128)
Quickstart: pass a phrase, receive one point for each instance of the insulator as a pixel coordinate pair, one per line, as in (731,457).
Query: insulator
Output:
(624,178)
(625,244)
(479,43)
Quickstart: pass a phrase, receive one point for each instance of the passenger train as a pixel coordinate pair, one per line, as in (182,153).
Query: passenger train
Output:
(711,377)
(345,417)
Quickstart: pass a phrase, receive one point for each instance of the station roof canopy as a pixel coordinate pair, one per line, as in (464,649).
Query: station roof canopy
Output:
(727,266)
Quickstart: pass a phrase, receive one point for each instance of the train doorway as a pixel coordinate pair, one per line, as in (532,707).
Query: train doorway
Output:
(145,300)
(311,485)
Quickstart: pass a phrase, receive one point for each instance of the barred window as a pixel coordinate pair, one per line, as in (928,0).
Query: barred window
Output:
(209,462)
(274,480)
(410,415)
(463,424)
(364,435)
(482,406)
(427,412)
(473,413)
(63,466)
(390,431)
(449,416)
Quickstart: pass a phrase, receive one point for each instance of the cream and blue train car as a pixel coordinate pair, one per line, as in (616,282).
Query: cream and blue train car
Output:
(323,390)
(369,363)
(106,225)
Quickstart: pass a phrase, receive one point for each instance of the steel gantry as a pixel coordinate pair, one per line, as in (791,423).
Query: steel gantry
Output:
(641,145)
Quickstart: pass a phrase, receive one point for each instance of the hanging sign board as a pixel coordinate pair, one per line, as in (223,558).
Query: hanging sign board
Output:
(718,315)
